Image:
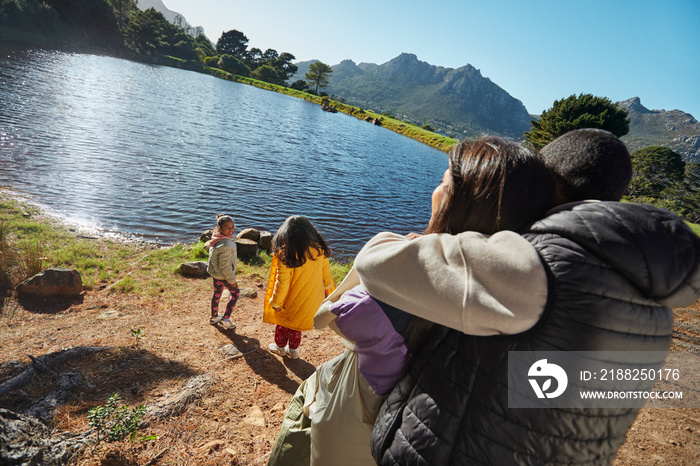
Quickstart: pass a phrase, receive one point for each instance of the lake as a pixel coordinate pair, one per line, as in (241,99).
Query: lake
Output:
(154,153)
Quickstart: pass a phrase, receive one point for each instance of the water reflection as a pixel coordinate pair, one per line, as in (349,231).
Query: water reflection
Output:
(155,151)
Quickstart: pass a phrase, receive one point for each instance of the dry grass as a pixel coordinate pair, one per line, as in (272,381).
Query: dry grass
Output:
(237,419)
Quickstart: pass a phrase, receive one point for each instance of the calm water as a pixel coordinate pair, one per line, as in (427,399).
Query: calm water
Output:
(155,152)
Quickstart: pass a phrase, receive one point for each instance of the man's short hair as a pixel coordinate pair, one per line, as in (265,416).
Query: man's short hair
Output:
(589,164)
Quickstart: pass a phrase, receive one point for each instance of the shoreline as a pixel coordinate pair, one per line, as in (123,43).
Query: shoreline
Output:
(429,138)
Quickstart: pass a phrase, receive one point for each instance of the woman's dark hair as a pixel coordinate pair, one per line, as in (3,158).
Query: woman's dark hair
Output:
(221,220)
(294,240)
(495,184)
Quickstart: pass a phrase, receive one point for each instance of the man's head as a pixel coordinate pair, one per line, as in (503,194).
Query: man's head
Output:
(588,164)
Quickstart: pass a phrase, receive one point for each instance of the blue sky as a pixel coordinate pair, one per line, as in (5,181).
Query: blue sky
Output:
(537,50)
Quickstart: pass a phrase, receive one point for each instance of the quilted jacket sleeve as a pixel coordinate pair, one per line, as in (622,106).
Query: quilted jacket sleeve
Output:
(281,287)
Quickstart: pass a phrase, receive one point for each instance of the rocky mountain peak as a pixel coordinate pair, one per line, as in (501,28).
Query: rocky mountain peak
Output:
(634,104)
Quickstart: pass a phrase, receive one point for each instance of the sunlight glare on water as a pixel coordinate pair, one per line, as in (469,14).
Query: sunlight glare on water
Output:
(155,152)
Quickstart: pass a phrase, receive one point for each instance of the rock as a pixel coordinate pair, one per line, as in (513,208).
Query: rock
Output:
(175,404)
(24,440)
(247,248)
(277,408)
(266,240)
(210,446)
(109,315)
(229,352)
(52,282)
(249,233)
(255,417)
(206,236)
(248,293)
(196,269)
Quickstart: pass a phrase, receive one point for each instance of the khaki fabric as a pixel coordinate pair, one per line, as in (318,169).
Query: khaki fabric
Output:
(338,410)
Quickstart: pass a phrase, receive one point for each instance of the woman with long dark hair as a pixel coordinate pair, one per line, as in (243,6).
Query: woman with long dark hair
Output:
(491,184)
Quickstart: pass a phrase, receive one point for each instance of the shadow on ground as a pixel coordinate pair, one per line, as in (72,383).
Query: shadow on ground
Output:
(272,368)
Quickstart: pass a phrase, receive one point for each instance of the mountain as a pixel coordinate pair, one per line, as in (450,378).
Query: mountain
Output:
(674,129)
(172,16)
(459,101)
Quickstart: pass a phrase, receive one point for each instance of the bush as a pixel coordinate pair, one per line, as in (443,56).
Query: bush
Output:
(115,422)
(266,73)
(233,65)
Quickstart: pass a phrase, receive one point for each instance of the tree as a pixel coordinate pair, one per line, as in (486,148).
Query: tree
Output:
(689,194)
(300,85)
(150,33)
(233,43)
(318,75)
(122,10)
(143,31)
(254,58)
(233,65)
(657,172)
(584,111)
(204,47)
(284,66)
(266,73)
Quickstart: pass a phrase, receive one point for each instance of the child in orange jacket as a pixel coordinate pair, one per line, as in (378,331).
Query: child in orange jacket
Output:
(300,279)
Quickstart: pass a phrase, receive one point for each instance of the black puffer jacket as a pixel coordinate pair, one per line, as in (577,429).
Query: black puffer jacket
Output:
(614,271)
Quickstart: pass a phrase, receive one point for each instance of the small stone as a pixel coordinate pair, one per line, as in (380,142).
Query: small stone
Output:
(229,352)
(109,315)
(248,293)
(211,446)
(255,417)
(277,408)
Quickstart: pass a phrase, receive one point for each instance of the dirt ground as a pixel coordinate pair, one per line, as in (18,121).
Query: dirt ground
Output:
(237,419)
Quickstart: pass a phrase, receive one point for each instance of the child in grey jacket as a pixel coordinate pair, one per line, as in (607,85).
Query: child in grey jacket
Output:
(223,259)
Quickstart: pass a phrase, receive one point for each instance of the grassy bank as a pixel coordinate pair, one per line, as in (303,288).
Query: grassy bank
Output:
(31,241)
(435,140)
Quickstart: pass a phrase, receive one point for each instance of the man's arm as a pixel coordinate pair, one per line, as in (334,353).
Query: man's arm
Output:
(474,283)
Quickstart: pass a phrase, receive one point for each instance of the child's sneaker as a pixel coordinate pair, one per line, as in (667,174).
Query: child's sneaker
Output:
(293,354)
(277,350)
(228,325)
(215,319)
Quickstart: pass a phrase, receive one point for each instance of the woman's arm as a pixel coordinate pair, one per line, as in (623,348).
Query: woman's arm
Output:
(474,283)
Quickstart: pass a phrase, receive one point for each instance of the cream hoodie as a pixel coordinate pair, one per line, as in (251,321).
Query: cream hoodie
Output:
(471,282)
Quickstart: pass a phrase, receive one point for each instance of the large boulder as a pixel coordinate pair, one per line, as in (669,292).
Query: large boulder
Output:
(206,236)
(249,233)
(196,269)
(25,440)
(266,240)
(246,248)
(52,282)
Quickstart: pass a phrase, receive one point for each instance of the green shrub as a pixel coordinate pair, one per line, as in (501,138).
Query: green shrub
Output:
(114,422)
